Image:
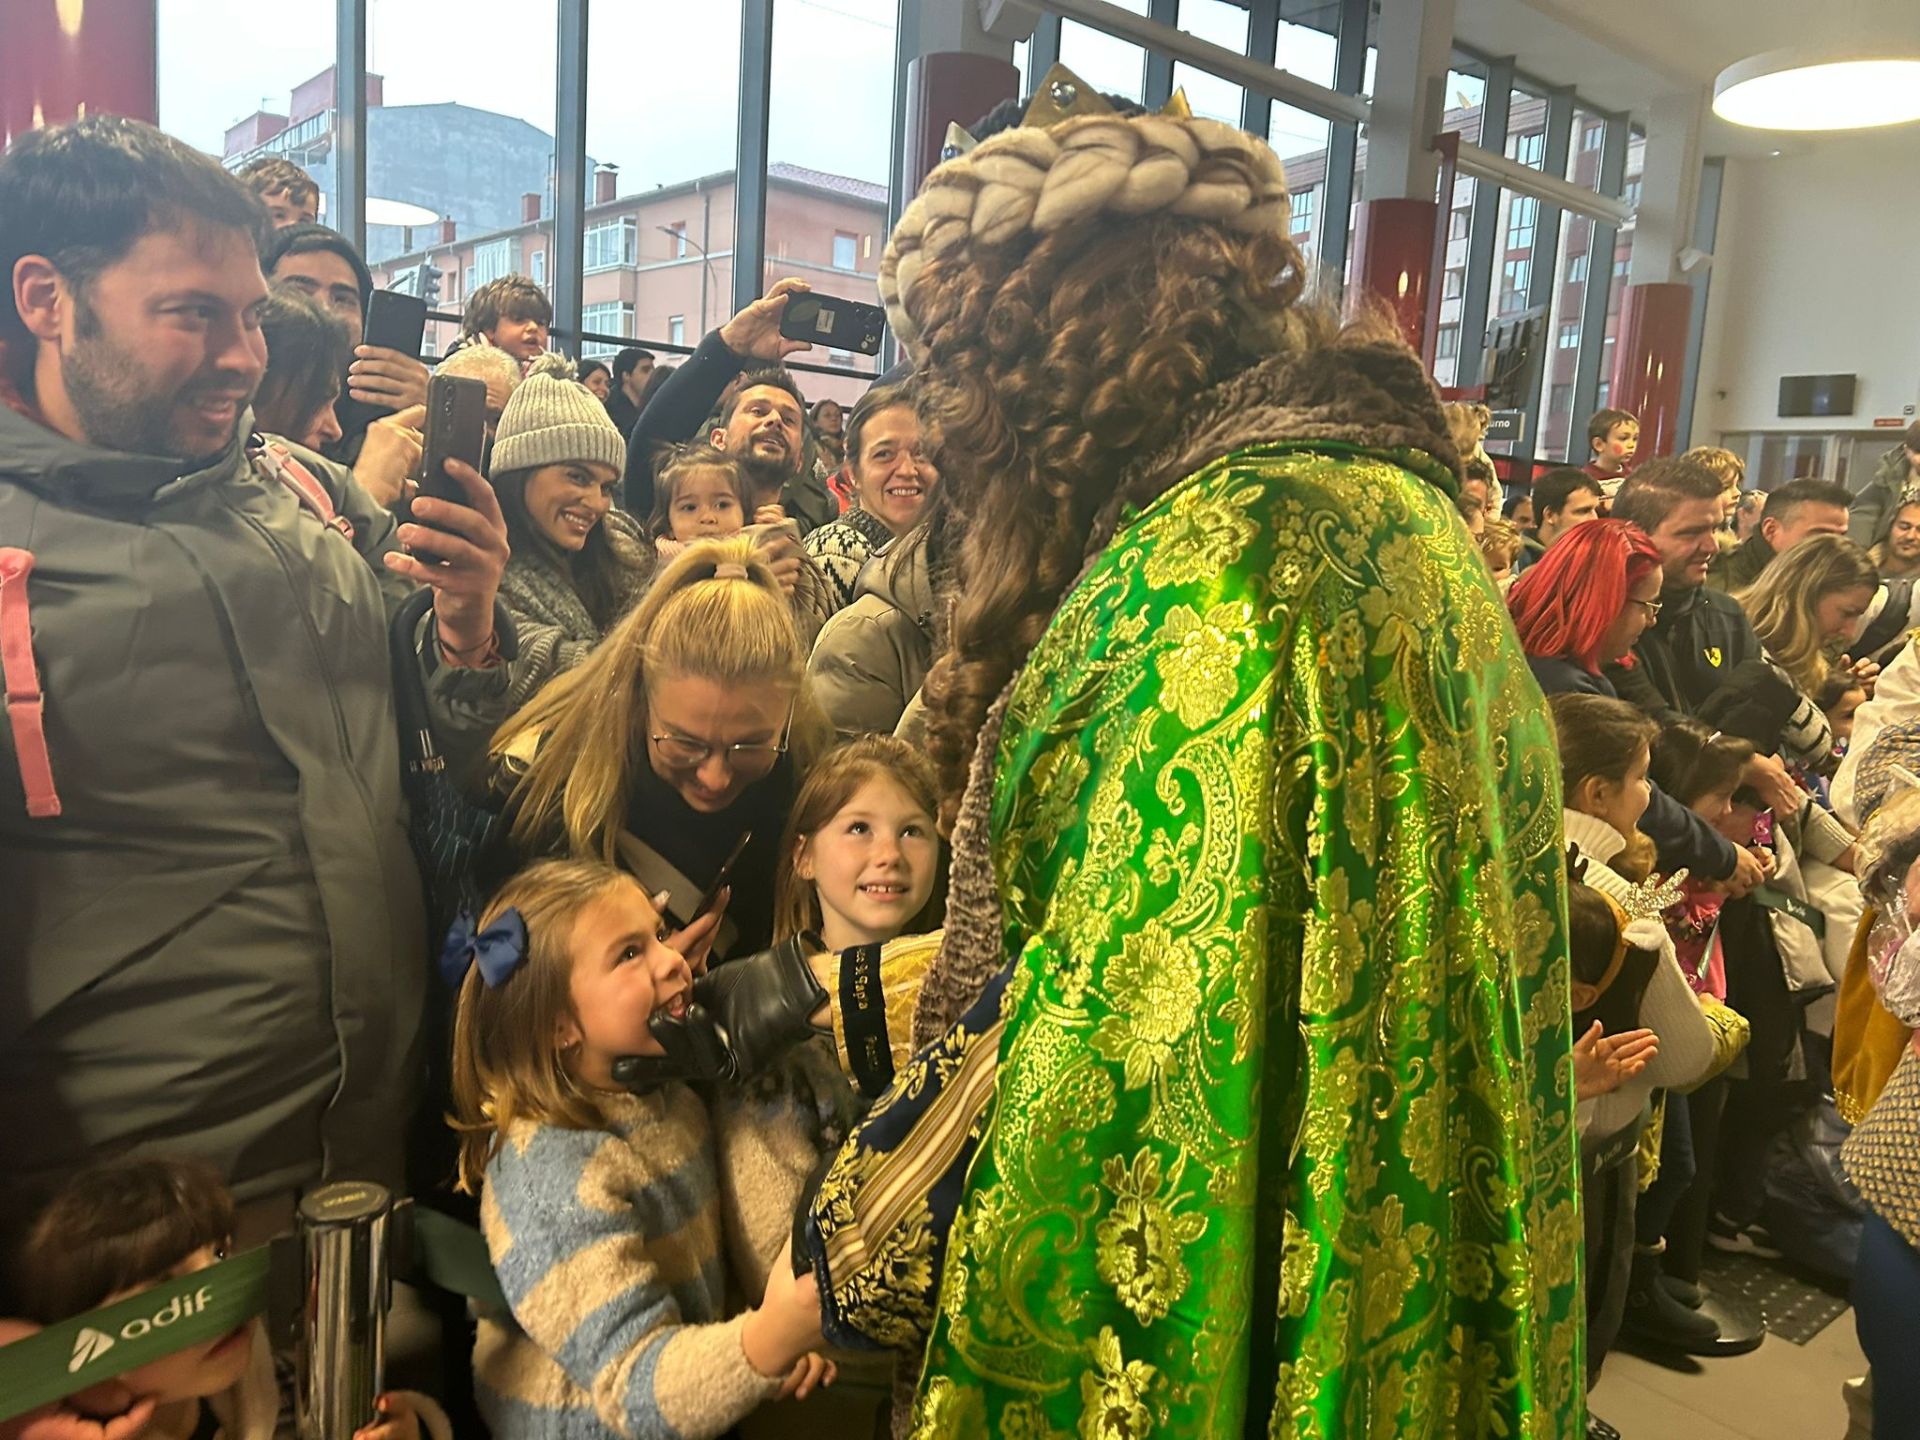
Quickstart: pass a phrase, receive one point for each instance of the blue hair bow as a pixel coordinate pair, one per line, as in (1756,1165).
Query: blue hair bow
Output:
(498,950)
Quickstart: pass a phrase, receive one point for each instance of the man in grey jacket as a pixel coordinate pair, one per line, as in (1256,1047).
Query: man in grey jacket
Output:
(211,934)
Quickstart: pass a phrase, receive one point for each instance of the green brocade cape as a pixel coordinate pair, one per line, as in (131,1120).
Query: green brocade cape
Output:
(1282,1139)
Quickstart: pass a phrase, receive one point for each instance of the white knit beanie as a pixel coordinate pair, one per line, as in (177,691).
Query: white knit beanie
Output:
(553,420)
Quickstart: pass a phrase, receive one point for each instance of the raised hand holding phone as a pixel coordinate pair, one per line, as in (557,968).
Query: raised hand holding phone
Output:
(755,332)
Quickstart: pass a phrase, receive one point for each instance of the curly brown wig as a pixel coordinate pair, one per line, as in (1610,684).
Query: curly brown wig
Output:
(1049,364)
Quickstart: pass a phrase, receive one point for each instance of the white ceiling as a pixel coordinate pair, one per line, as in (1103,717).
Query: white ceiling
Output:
(1621,54)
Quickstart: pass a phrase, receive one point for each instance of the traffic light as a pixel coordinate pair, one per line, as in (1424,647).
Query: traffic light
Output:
(429,284)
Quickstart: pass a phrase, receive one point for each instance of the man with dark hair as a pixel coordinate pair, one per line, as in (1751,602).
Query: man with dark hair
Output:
(1562,499)
(511,314)
(632,369)
(1874,507)
(210,917)
(1798,510)
(1898,556)
(1700,634)
(323,265)
(762,422)
(284,188)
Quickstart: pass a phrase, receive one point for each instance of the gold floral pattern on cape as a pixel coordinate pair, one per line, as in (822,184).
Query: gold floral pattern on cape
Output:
(1276,1142)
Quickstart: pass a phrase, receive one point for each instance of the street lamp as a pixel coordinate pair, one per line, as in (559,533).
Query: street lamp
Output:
(706,266)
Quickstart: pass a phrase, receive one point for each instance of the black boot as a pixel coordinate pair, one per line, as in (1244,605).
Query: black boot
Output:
(1685,1291)
(1653,1314)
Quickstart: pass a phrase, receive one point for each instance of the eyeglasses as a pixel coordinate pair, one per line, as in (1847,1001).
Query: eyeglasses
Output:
(683,752)
(1652,607)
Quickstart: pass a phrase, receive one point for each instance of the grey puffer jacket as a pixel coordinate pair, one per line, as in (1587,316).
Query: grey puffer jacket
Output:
(217,947)
(871,657)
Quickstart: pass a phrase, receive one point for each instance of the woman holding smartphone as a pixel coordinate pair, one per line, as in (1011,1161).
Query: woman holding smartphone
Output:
(684,733)
(578,562)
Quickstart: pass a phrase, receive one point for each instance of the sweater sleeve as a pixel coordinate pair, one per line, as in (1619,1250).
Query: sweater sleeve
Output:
(675,415)
(1684,841)
(1823,836)
(581,1276)
(1807,739)
(1686,1051)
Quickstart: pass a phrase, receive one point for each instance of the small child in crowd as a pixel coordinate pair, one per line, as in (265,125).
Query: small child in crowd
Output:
(1606,753)
(863,852)
(699,494)
(1613,436)
(621,1232)
(126,1225)
(1500,543)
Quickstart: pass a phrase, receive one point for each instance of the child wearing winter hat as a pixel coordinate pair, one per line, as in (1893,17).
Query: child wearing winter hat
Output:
(578,563)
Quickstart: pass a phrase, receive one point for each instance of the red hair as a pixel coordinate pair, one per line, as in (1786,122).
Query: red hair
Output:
(1566,601)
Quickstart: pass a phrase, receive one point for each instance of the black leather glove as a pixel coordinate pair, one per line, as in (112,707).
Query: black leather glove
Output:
(696,1049)
(764,1004)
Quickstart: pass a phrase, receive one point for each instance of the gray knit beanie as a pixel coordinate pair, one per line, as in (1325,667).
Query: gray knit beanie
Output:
(552,420)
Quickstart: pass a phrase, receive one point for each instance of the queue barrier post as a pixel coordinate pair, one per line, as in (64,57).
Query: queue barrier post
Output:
(343,1237)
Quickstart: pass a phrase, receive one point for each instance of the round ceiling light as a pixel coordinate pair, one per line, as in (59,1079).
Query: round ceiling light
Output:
(1798,89)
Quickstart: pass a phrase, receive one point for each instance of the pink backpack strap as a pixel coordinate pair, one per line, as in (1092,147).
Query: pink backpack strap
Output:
(26,705)
(277,460)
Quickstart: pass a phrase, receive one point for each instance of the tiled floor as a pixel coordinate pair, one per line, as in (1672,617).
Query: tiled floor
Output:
(1779,1392)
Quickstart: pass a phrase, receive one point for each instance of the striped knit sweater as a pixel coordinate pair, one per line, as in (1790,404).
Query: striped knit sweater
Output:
(628,1256)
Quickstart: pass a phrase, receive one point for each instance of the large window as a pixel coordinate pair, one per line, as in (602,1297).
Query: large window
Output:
(607,318)
(1112,66)
(611,244)
(1225,24)
(279,103)
(460,130)
(1522,215)
(664,157)
(1514,276)
(829,144)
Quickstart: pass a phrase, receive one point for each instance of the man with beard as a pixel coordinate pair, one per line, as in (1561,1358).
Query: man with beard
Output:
(768,434)
(209,916)
(1898,556)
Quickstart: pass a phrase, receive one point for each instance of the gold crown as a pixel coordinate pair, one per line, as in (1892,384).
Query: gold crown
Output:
(1060,95)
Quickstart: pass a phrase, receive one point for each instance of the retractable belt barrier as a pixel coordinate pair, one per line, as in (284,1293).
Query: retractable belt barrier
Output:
(324,1287)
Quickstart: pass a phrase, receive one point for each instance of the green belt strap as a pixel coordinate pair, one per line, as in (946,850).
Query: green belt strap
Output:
(96,1346)
(1772,899)
(198,1308)
(454,1257)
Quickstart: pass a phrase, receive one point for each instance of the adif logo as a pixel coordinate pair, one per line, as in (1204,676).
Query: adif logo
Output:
(88,1346)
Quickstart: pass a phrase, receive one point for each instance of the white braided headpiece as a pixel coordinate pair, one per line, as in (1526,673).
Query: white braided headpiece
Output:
(1037,179)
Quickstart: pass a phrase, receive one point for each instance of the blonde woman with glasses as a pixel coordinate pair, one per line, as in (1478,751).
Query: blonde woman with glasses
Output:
(677,746)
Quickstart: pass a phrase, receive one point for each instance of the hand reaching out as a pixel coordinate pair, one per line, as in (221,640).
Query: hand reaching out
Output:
(755,334)
(813,1370)
(1603,1063)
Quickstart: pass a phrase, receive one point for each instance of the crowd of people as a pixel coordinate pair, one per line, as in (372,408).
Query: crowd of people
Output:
(1059,874)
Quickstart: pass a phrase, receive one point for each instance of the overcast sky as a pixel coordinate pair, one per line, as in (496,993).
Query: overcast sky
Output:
(662,84)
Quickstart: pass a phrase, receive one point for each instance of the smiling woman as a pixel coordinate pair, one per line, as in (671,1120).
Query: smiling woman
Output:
(577,562)
(893,481)
(704,680)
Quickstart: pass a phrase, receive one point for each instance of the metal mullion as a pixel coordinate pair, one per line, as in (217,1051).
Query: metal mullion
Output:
(349,215)
(1044,52)
(567,254)
(1706,230)
(1481,238)
(1343,140)
(1546,220)
(1157,83)
(1593,311)
(1263,45)
(750,160)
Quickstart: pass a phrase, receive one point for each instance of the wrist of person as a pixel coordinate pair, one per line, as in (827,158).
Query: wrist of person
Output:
(769,1351)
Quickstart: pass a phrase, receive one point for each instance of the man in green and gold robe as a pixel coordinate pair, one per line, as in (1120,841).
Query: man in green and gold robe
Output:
(1257,1115)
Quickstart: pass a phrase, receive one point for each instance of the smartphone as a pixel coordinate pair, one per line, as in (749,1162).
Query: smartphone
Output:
(712,897)
(393,322)
(835,323)
(456,430)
